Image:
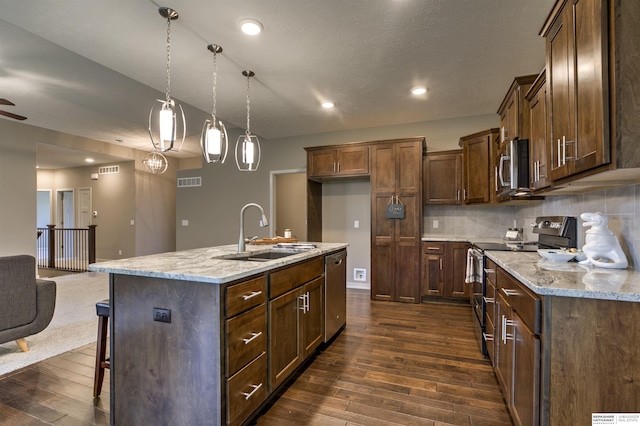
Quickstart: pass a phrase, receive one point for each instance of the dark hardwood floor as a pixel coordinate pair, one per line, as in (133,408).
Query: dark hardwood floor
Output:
(393,364)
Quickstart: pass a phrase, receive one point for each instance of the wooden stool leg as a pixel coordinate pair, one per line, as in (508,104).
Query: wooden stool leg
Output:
(101,348)
(22,344)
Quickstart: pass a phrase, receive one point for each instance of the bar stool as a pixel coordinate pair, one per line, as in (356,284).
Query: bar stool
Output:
(102,310)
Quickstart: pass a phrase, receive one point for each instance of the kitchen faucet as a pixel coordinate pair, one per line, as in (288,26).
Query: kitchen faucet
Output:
(263,222)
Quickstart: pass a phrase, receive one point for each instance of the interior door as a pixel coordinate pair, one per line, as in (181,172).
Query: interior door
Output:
(84,207)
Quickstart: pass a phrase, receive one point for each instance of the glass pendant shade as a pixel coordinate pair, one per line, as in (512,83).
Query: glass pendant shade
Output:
(247,153)
(248,145)
(155,162)
(214,140)
(167,124)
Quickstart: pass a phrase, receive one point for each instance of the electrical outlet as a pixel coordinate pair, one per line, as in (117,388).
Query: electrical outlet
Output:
(435,224)
(162,315)
(356,224)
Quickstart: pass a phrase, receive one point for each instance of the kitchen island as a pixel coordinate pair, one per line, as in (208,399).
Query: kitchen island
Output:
(206,336)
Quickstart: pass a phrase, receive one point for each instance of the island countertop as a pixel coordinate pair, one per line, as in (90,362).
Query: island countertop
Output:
(209,264)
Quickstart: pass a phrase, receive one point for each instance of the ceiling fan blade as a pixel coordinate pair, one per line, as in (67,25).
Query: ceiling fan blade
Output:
(12,115)
(6,102)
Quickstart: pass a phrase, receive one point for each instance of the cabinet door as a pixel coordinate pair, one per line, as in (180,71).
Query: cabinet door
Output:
(432,275)
(407,249)
(455,271)
(382,250)
(538,139)
(313,315)
(353,160)
(442,178)
(383,169)
(526,374)
(476,170)
(285,347)
(321,162)
(504,347)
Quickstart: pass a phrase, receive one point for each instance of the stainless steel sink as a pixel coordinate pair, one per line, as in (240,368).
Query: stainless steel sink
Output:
(263,256)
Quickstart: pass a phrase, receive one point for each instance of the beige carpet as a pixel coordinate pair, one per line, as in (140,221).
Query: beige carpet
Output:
(74,322)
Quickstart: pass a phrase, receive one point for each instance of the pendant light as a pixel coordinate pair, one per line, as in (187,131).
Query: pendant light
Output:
(213,140)
(169,121)
(248,145)
(155,162)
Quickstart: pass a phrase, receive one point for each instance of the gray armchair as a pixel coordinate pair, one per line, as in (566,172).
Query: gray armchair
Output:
(26,303)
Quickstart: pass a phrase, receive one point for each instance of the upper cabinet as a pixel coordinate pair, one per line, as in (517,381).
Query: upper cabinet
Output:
(480,153)
(577,86)
(338,162)
(539,134)
(514,110)
(442,177)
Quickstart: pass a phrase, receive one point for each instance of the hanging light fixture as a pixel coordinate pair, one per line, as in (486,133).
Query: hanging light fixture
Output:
(155,162)
(214,141)
(248,145)
(169,120)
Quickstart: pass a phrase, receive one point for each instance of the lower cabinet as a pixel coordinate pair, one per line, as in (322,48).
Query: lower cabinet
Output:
(443,270)
(296,318)
(517,352)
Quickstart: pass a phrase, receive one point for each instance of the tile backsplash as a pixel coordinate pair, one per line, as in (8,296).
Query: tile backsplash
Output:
(621,205)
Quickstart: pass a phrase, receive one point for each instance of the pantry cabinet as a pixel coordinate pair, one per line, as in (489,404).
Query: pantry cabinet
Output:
(442,180)
(577,87)
(396,180)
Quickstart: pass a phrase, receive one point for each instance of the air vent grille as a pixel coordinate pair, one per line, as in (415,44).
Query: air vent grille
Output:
(109,170)
(188,182)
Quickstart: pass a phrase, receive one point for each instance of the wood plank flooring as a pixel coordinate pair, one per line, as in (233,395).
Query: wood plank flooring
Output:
(393,364)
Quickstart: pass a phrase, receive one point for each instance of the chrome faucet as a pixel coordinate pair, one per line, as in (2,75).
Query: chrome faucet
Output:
(263,222)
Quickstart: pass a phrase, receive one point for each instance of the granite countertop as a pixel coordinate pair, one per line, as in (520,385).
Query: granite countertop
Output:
(569,279)
(207,264)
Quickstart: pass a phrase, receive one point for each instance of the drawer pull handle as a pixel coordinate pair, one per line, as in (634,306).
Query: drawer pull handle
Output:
(433,248)
(252,295)
(253,337)
(489,271)
(487,337)
(248,395)
(488,300)
(510,292)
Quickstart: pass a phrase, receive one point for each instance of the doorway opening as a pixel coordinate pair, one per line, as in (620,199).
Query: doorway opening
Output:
(288,203)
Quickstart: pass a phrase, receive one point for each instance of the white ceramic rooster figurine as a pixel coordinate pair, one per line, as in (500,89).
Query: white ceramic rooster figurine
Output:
(601,246)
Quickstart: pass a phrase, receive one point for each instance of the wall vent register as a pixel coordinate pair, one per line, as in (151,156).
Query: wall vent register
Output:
(109,170)
(189,182)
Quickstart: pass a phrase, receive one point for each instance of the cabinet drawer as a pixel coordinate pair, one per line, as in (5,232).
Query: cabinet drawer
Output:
(490,299)
(489,335)
(246,295)
(429,247)
(490,271)
(246,338)
(521,300)
(294,276)
(246,390)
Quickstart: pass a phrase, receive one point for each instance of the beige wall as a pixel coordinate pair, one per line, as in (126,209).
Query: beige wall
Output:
(17,190)
(291,207)
(117,198)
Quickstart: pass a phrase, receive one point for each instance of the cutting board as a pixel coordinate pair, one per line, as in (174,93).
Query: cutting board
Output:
(274,240)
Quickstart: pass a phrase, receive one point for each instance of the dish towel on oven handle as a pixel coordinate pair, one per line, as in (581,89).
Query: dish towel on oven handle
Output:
(470,275)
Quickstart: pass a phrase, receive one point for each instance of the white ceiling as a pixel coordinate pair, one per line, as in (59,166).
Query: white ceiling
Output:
(94,68)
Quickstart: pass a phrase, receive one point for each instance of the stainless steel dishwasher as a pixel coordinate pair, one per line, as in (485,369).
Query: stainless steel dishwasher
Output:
(335,294)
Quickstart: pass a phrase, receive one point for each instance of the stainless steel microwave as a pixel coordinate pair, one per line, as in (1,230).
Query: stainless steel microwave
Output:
(513,169)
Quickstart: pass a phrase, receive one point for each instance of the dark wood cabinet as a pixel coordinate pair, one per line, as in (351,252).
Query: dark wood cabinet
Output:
(577,86)
(444,266)
(442,177)
(539,134)
(338,162)
(517,352)
(296,318)
(480,153)
(514,110)
(396,178)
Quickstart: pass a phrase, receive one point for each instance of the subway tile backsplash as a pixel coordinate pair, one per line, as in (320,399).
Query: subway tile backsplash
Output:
(621,205)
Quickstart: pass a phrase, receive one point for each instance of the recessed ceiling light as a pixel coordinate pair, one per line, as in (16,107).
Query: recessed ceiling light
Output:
(327,105)
(419,90)
(251,26)
(89,160)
